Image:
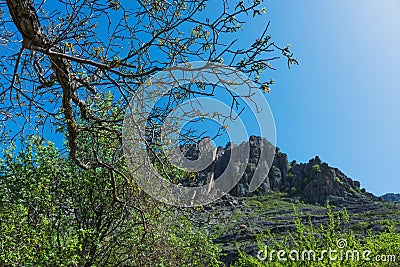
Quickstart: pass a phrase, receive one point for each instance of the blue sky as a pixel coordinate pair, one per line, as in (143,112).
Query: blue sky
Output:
(341,103)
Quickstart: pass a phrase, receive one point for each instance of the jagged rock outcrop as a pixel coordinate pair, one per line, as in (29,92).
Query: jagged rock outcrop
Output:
(313,182)
(237,221)
(391,197)
(316,181)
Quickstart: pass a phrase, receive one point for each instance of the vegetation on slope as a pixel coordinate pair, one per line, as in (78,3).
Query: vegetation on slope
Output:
(52,213)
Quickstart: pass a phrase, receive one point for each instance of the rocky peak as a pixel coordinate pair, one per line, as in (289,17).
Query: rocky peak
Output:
(391,197)
(313,182)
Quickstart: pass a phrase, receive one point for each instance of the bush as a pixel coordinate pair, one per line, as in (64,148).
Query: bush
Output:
(316,168)
(337,179)
(53,213)
(309,237)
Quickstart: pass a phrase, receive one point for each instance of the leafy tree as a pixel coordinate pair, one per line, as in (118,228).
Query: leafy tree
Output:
(72,66)
(52,213)
(59,57)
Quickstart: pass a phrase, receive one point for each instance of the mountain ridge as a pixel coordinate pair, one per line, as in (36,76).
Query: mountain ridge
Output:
(312,182)
(309,190)
(391,197)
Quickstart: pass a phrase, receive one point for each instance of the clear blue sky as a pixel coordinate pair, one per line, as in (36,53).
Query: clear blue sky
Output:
(342,102)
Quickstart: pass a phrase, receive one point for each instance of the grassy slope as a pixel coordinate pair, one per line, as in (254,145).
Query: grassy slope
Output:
(241,225)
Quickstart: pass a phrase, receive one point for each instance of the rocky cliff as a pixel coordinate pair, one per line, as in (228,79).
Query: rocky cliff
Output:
(391,197)
(237,219)
(312,182)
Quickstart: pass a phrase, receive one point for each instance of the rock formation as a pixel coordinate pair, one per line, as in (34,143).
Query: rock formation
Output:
(391,197)
(312,182)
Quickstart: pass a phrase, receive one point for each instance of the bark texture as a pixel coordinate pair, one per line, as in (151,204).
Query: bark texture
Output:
(25,18)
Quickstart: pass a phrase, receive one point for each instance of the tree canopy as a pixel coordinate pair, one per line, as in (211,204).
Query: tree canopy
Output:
(72,67)
(76,64)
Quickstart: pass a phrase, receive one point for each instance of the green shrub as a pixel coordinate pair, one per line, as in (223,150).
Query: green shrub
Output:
(337,179)
(53,213)
(316,168)
(309,237)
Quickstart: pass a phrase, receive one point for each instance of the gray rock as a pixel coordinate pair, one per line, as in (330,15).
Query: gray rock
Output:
(311,182)
(391,197)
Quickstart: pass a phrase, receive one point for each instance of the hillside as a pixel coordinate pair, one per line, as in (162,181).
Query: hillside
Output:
(290,190)
(391,197)
(312,182)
